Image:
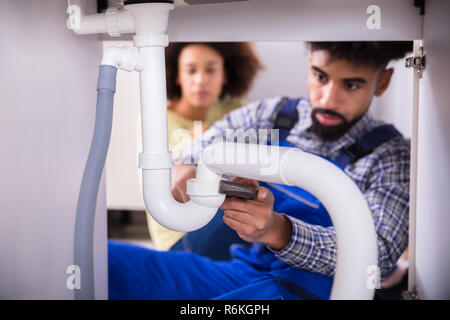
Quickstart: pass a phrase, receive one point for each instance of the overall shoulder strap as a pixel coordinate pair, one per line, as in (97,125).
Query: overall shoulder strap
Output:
(367,143)
(287,117)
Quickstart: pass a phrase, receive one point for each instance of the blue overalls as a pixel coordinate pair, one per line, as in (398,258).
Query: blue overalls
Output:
(254,272)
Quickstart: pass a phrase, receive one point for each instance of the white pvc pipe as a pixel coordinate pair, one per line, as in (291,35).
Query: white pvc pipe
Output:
(155,159)
(152,82)
(351,217)
(167,211)
(347,207)
(114,22)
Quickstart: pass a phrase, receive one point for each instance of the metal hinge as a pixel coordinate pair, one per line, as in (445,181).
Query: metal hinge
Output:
(421,5)
(417,62)
(411,295)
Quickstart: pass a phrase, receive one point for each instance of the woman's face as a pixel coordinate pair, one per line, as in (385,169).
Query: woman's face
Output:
(201,75)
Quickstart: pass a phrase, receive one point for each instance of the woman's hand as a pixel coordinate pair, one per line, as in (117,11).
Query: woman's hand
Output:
(180,173)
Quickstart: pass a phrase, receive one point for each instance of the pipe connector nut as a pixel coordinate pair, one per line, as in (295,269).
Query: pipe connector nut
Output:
(112,27)
(151,40)
(152,161)
(205,193)
(130,60)
(126,58)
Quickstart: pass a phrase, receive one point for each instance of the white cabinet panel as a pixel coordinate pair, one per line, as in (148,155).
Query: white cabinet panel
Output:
(433,189)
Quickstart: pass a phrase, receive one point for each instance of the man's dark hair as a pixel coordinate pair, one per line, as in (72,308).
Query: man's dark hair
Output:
(367,53)
(241,65)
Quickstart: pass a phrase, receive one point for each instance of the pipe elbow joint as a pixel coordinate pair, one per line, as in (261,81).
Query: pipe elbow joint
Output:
(182,217)
(126,58)
(205,193)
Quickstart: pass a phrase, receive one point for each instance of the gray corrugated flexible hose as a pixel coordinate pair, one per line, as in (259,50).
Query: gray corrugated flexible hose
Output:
(87,199)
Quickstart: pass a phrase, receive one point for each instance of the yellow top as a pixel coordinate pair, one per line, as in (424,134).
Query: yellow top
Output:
(182,133)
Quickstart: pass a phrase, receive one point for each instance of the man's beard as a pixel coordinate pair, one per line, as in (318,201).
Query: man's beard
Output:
(330,133)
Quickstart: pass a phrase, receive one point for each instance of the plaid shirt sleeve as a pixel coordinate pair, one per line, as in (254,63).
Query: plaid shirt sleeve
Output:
(313,247)
(255,115)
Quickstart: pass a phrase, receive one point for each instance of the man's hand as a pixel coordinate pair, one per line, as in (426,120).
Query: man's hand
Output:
(255,220)
(180,173)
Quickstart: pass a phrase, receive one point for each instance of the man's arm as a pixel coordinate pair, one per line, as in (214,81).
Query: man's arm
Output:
(313,247)
(252,116)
